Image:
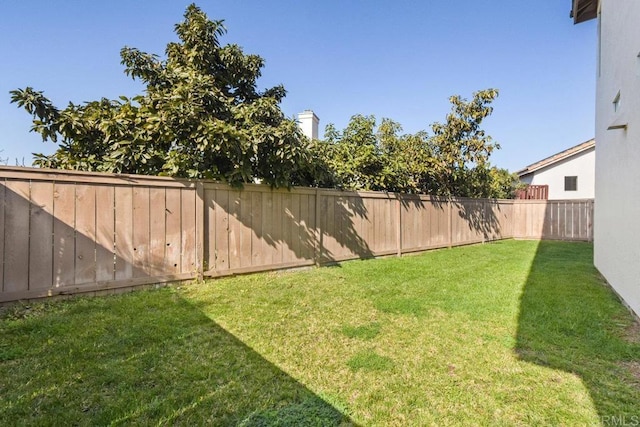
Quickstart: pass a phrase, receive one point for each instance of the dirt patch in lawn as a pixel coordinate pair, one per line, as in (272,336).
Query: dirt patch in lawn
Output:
(632,332)
(634,369)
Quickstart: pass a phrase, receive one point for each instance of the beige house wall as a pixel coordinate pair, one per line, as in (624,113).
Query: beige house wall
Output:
(617,186)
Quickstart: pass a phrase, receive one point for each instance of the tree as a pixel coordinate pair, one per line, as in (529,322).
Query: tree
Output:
(460,148)
(201,116)
(406,158)
(365,156)
(489,182)
(453,161)
(353,155)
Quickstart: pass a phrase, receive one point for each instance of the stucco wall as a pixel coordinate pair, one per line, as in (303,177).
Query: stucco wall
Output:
(617,201)
(581,165)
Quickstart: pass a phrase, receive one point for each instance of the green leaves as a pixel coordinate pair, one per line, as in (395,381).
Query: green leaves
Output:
(461,147)
(454,161)
(200,116)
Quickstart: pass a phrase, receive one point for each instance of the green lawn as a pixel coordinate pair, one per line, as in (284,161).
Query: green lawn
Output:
(508,333)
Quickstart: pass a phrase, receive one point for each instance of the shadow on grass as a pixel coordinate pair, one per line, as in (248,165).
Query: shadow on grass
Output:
(571,321)
(149,358)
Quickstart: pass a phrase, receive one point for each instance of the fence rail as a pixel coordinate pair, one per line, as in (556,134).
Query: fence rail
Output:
(65,232)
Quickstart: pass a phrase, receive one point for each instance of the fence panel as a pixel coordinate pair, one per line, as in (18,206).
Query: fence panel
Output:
(553,219)
(68,232)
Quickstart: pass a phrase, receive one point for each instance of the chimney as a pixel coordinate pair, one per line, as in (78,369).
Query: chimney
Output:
(308,122)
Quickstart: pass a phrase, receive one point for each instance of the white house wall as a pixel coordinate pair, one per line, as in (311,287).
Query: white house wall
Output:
(617,201)
(580,165)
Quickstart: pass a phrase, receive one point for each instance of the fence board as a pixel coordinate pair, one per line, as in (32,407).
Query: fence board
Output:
(364,209)
(245,228)
(327,216)
(277,220)
(343,220)
(141,236)
(296,234)
(575,222)
(383,236)
(85,234)
(210,228)
(425,224)
(200,231)
(41,236)
(173,231)
(419,223)
(256,226)
(157,231)
(563,221)
(187,258)
(105,229)
(235,229)
(409,231)
(392,225)
(305,227)
(123,239)
(267,244)
(64,225)
(438,223)
(285,220)
(335,225)
(379,229)
(16,258)
(222,230)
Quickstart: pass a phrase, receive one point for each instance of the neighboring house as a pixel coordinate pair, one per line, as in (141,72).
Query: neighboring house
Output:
(617,201)
(568,174)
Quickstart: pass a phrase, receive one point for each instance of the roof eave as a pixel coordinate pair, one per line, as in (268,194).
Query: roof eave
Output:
(584,10)
(557,158)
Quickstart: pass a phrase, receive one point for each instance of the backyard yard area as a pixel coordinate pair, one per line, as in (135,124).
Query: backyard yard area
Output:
(506,333)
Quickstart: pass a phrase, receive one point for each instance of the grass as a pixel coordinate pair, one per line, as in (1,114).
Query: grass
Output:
(509,333)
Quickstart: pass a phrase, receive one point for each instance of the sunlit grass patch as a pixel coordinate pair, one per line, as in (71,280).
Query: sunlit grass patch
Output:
(365,332)
(508,333)
(369,361)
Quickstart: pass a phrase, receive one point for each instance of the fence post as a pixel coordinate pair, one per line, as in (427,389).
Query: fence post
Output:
(399,227)
(590,222)
(450,220)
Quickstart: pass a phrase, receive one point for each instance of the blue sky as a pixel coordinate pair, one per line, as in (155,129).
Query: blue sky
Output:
(399,59)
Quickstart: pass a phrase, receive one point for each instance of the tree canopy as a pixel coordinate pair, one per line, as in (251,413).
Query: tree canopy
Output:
(201,116)
(452,161)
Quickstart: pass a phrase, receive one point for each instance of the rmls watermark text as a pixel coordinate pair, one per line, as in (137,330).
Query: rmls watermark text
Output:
(620,420)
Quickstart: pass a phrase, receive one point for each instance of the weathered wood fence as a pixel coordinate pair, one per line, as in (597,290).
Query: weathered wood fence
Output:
(67,232)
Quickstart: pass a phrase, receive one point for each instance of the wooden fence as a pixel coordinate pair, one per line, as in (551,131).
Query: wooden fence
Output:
(535,192)
(67,232)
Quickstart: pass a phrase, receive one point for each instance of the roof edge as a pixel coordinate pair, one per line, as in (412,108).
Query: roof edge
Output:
(558,157)
(584,10)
